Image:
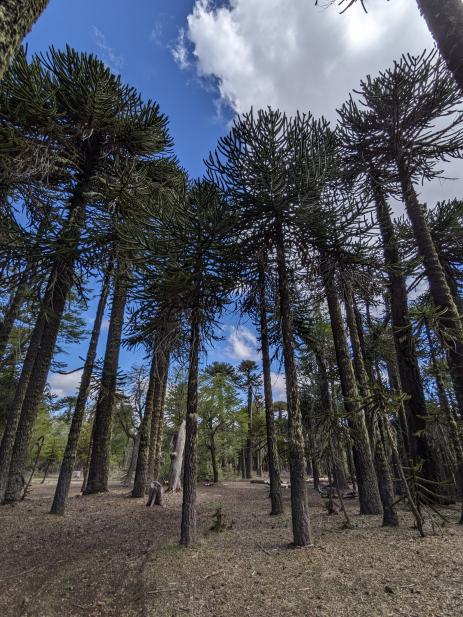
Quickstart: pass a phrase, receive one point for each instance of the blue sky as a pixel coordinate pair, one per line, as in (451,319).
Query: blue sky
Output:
(205,60)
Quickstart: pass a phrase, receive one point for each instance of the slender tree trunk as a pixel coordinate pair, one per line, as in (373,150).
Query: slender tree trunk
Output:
(69,458)
(98,472)
(404,341)
(213,451)
(450,321)
(445,22)
(299,503)
(133,459)
(142,473)
(370,502)
(188,525)
(6,447)
(176,458)
(157,424)
(16,19)
(58,288)
(383,472)
(249,444)
(273,463)
(446,409)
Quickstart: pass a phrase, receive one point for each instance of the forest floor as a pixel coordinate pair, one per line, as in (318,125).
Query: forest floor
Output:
(112,556)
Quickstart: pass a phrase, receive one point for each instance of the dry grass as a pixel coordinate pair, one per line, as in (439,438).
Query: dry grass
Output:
(110,555)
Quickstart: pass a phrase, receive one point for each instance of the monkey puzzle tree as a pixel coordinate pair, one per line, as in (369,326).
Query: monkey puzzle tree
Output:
(412,120)
(254,166)
(250,380)
(93,119)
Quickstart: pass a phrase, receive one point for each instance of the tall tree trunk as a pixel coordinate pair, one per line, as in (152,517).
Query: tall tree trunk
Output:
(16,19)
(6,447)
(249,444)
(450,320)
(142,471)
(69,458)
(370,502)
(188,525)
(176,458)
(383,472)
(213,451)
(445,22)
(98,472)
(272,450)
(446,409)
(59,285)
(299,502)
(157,424)
(405,347)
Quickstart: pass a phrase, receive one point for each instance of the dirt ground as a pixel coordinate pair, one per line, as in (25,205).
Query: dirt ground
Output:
(112,556)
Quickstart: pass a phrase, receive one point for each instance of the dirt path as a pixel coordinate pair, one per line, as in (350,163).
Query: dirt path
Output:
(110,555)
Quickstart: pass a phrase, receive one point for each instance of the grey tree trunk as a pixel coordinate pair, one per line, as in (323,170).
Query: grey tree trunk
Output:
(272,450)
(98,472)
(157,424)
(176,458)
(69,458)
(445,22)
(370,502)
(16,19)
(188,525)
(450,320)
(299,502)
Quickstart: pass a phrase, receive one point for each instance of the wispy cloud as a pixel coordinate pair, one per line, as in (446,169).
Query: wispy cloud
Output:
(278,386)
(180,51)
(64,385)
(113,60)
(241,344)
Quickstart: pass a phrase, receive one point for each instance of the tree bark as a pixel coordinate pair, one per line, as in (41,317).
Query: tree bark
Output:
(16,19)
(450,320)
(445,22)
(176,457)
(6,447)
(188,525)
(405,347)
(157,424)
(98,472)
(249,445)
(299,503)
(272,450)
(213,451)
(10,316)
(69,458)
(59,285)
(370,502)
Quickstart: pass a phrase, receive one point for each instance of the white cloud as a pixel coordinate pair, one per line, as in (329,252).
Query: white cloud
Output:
(113,60)
(292,55)
(64,385)
(242,344)
(278,386)
(180,51)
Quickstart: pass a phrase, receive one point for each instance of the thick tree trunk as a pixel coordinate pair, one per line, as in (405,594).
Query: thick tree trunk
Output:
(98,472)
(59,285)
(176,458)
(405,347)
(450,320)
(370,502)
(272,450)
(299,503)
(445,22)
(16,19)
(69,458)
(6,447)
(188,525)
